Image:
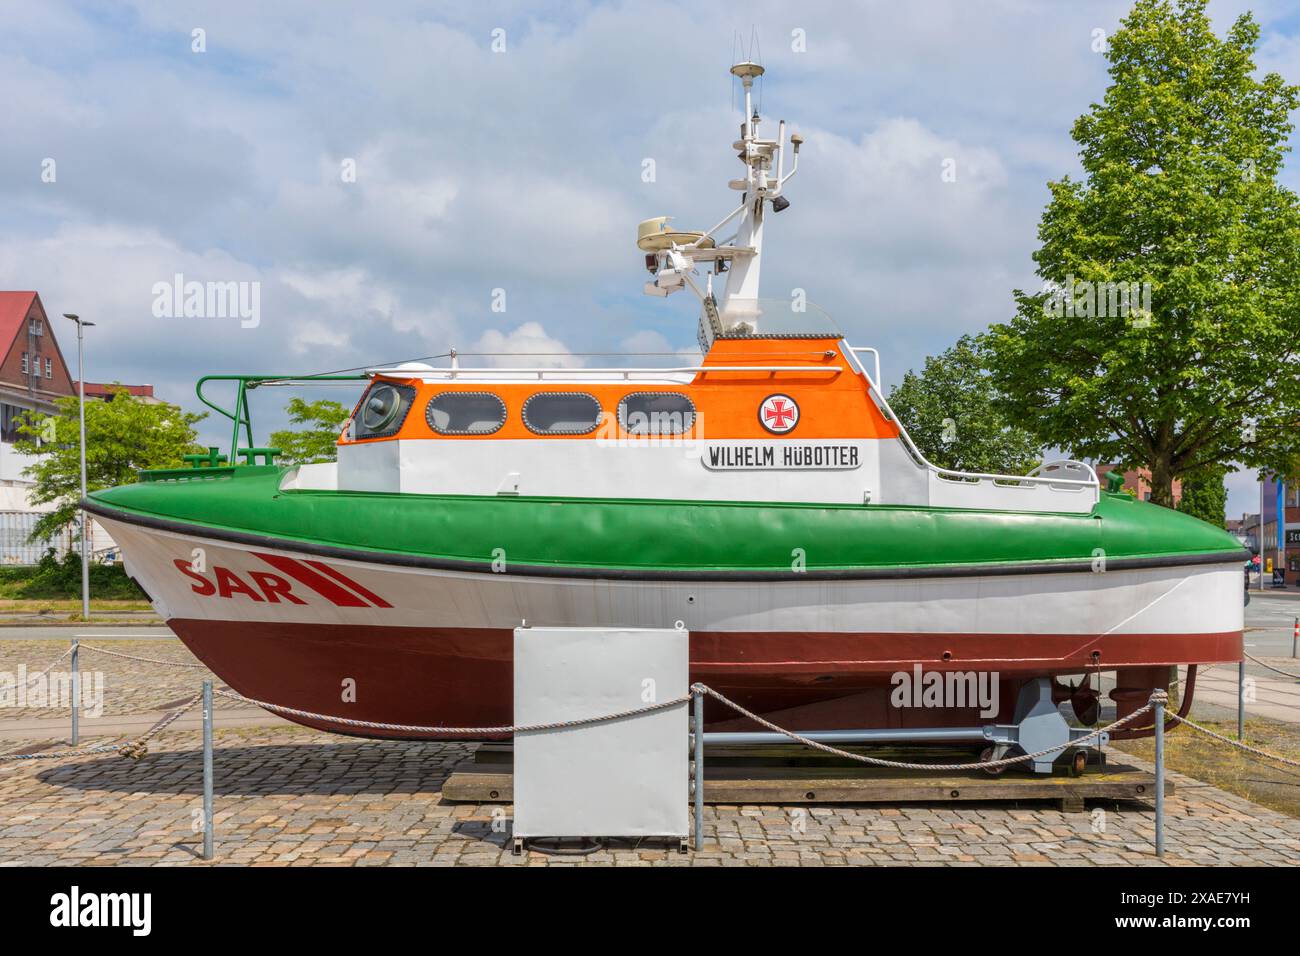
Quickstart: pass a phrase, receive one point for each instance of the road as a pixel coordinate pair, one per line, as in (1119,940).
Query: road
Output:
(1270,619)
(64,633)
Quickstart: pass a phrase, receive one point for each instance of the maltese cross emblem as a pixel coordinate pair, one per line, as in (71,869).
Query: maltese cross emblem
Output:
(778,414)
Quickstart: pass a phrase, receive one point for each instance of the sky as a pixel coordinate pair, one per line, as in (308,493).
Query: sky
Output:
(395,179)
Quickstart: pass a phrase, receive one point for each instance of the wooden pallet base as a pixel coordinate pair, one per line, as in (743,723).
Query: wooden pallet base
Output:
(784,775)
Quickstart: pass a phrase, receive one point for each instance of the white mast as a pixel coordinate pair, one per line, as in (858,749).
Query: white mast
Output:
(740,298)
(672,255)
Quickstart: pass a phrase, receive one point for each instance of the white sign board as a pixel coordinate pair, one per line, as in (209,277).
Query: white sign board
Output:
(626,777)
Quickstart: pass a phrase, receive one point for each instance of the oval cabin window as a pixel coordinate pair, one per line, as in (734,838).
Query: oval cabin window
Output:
(656,413)
(562,413)
(465,413)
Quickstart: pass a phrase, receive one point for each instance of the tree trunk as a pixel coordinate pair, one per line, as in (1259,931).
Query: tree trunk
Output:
(1162,482)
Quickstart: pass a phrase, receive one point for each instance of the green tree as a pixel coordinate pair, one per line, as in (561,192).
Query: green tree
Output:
(315,444)
(122,436)
(1179,190)
(949,410)
(1205,496)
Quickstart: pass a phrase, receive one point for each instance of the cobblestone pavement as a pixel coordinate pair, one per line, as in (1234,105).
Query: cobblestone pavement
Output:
(292,796)
(129,687)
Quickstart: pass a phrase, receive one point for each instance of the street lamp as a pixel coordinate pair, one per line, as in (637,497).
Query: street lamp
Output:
(81,389)
(1260,536)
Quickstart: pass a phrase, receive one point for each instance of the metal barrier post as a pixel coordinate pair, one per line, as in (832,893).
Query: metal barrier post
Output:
(1241,700)
(1295,636)
(1160,776)
(698,754)
(207,770)
(76,694)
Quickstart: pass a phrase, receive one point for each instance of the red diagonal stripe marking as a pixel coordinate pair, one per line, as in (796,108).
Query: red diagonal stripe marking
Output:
(317,582)
(343,579)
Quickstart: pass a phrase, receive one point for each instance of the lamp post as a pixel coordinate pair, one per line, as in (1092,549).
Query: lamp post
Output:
(1280,565)
(1260,535)
(81,401)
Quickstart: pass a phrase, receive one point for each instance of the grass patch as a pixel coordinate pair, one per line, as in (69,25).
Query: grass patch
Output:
(1214,762)
(69,605)
(55,580)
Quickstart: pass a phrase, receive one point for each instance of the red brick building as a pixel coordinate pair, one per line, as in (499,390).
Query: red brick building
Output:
(33,374)
(1139,482)
(105,391)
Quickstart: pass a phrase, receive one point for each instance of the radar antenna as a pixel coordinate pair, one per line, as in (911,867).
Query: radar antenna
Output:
(674,256)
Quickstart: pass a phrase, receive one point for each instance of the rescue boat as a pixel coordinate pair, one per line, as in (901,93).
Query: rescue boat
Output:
(766,498)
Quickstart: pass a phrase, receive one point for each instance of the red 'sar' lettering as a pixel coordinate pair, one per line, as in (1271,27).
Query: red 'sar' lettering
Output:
(201,584)
(275,587)
(228,584)
(316,575)
(304,575)
(343,579)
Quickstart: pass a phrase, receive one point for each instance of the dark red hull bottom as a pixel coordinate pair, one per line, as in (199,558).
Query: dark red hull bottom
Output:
(463,677)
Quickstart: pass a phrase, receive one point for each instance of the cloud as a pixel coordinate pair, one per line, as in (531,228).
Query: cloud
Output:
(310,321)
(526,345)
(523,170)
(650,348)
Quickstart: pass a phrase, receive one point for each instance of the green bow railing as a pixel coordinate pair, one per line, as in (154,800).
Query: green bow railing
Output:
(241,415)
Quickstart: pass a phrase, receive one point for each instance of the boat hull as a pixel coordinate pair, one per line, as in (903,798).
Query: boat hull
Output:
(391,643)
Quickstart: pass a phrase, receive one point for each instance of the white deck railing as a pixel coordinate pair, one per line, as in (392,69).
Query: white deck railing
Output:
(489,372)
(949,488)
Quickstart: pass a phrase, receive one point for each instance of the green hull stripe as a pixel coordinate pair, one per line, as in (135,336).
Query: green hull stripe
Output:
(484,567)
(673,539)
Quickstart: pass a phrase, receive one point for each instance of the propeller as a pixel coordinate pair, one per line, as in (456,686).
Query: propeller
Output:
(1086,702)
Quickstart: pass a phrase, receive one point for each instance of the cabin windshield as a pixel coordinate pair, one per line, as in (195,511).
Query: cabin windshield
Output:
(780,318)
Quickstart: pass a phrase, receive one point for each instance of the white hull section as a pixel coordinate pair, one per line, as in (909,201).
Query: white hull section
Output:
(234,582)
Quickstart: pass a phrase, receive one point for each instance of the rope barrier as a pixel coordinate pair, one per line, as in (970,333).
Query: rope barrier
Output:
(102,650)
(457,731)
(1236,743)
(702,688)
(135,749)
(36,677)
(146,660)
(52,754)
(1269,666)
(897,765)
